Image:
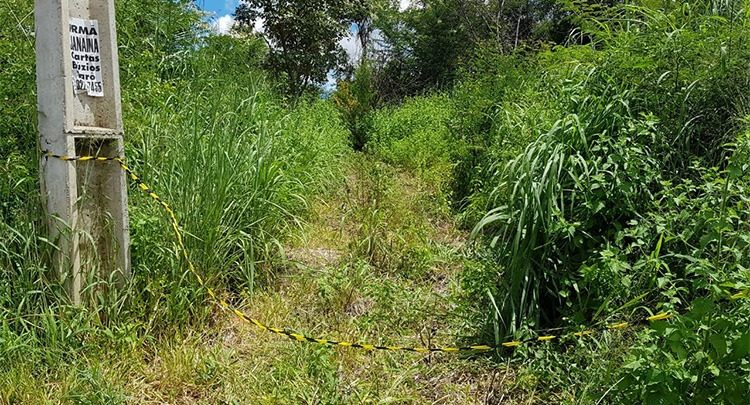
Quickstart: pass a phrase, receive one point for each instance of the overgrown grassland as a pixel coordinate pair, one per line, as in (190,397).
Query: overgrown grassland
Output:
(602,181)
(340,280)
(377,262)
(206,130)
(554,187)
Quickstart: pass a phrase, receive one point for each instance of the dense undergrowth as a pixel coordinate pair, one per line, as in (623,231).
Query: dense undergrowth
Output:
(208,132)
(604,181)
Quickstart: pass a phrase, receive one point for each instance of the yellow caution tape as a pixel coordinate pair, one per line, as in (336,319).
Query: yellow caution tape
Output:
(740,295)
(225,306)
(659,317)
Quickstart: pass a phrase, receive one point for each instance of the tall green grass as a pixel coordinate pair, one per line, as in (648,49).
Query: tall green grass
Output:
(618,123)
(602,180)
(569,190)
(238,170)
(627,198)
(205,129)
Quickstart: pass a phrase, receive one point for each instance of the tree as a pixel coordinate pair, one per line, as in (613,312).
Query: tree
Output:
(421,47)
(355,98)
(303,36)
(426,43)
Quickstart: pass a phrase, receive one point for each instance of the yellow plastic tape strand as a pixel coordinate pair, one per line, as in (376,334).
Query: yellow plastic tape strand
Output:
(659,317)
(740,295)
(225,306)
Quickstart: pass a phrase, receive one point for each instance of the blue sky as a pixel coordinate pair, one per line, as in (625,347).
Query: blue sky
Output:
(220,11)
(220,7)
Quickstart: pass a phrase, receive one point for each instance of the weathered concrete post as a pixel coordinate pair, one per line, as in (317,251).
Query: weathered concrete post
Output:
(78,90)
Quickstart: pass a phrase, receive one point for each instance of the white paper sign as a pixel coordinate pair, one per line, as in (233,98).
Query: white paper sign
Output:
(86,57)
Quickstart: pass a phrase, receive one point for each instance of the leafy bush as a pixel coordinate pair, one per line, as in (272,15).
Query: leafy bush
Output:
(495,113)
(629,196)
(701,357)
(567,192)
(18,111)
(604,152)
(356,99)
(687,64)
(415,136)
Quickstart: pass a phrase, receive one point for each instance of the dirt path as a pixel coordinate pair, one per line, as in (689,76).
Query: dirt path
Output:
(377,263)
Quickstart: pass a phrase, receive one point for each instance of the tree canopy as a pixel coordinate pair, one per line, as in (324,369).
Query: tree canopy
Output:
(302,35)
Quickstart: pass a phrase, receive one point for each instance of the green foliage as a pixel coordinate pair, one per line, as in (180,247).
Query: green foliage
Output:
(416,136)
(206,131)
(686,65)
(568,191)
(499,109)
(605,179)
(387,209)
(685,253)
(356,99)
(600,157)
(702,357)
(631,193)
(90,387)
(427,42)
(237,178)
(159,46)
(303,36)
(17,109)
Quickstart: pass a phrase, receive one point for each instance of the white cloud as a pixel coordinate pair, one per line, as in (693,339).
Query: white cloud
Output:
(351,45)
(259,26)
(403,4)
(223,25)
(378,40)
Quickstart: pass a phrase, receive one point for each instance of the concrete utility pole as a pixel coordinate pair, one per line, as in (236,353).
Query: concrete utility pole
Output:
(80,113)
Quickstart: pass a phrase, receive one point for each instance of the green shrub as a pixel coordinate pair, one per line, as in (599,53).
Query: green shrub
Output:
(18,111)
(615,131)
(687,64)
(356,99)
(494,110)
(415,136)
(566,193)
(629,196)
(701,358)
